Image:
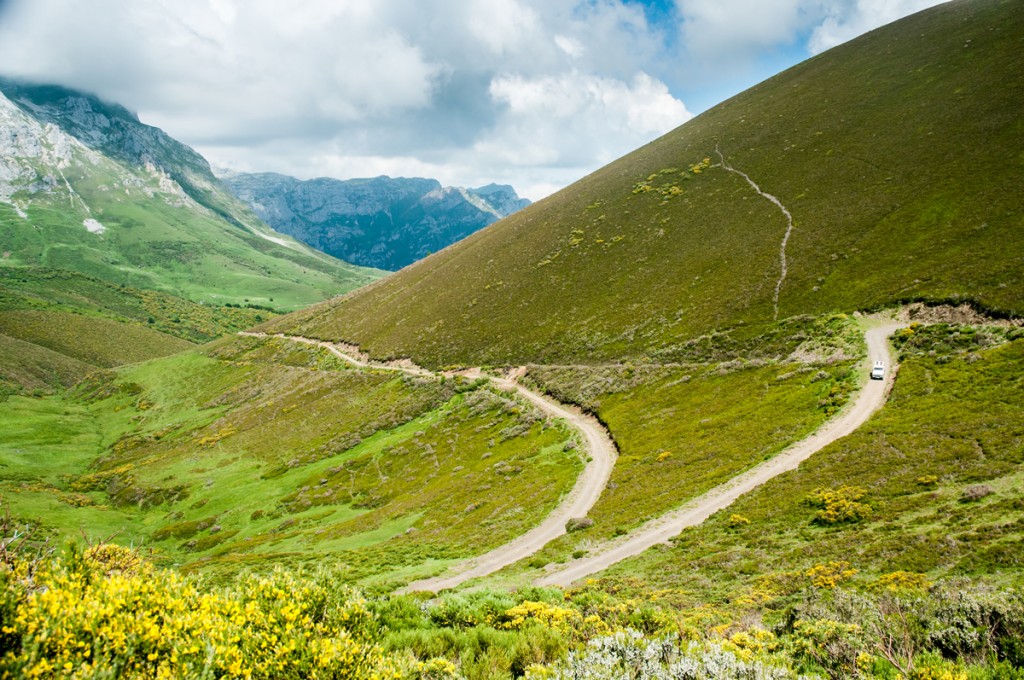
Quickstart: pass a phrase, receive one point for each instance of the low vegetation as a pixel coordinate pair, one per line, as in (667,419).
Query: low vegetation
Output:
(930,485)
(96,341)
(107,609)
(52,290)
(58,326)
(259,451)
(682,429)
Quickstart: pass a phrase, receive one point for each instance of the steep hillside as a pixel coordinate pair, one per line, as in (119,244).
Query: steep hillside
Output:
(86,187)
(884,170)
(381,222)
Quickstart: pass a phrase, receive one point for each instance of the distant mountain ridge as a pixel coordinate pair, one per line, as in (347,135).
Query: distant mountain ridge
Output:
(380,222)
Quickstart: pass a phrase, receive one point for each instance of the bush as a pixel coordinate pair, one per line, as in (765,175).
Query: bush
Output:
(979,624)
(628,654)
(106,611)
(976,492)
(578,524)
(840,505)
(736,521)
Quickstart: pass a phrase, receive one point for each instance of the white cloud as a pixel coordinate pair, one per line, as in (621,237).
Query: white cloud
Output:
(850,19)
(530,92)
(737,29)
(737,40)
(343,86)
(503,26)
(569,119)
(571,46)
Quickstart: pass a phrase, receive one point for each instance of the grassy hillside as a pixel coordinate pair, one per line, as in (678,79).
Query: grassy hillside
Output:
(90,189)
(25,366)
(57,326)
(897,155)
(649,294)
(54,290)
(100,342)
(931,485)
(255,452)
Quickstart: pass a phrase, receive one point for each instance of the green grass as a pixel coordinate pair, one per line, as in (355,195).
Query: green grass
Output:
(97,341)
(686,431)
(683,429)
(952,424)
(253,452)
(901,183)
(62,290)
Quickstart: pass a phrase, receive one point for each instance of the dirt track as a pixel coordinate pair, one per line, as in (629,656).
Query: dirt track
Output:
(870,398)
(600,455)
(588,488)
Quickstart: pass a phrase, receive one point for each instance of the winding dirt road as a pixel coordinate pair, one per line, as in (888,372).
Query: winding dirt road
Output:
(600,455)
(870,398)
(588,488)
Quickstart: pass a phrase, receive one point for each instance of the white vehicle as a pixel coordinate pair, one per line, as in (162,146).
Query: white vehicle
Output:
(878,371)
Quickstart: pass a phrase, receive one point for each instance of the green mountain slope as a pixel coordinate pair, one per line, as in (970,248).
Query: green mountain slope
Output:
(57,326)
(251,452)
(937,477)
(897,155)
(86,187)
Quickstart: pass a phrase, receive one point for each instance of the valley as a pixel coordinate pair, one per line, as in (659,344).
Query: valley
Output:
(632,430)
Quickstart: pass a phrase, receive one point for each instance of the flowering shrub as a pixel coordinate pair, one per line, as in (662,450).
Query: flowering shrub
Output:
(106,612)
(737,521)
(570,624)
(903,581)
(836,646)
(830,574)
(436,669)
(839,505)
(628,654)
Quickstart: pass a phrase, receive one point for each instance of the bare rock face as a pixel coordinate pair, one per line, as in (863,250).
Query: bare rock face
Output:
(46,128)
(380,222)
(32,153)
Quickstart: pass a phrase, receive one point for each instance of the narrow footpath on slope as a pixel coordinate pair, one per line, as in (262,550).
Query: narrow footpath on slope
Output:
(599,454)
(870,398)
(774,200)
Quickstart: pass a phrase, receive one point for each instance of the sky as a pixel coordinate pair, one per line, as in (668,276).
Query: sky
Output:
(532,93)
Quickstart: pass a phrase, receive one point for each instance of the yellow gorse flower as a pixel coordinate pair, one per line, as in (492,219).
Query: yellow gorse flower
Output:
(108,608)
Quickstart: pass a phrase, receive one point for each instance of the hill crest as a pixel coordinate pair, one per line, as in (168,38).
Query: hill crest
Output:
(892,183)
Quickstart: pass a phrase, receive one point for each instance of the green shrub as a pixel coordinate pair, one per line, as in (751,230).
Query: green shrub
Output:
(578,524)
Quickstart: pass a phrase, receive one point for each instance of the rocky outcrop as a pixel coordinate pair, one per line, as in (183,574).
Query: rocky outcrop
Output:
(381,222)
(103,129)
